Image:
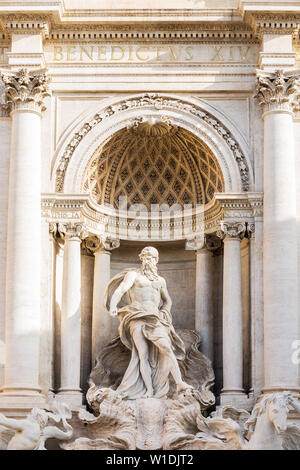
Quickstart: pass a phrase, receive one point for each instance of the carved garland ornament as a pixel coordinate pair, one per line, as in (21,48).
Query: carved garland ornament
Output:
(160,103)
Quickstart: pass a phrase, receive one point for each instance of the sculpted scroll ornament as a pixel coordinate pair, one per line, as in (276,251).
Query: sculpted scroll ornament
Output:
(101,243)
(204,242)
(72,230)
(231,230)
(277,90)
(26,89)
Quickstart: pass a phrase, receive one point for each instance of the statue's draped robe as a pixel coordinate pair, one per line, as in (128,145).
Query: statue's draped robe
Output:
(154,326)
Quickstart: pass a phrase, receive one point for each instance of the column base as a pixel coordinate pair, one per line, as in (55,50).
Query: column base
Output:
(18,402)
(280,388)
(237,398)
(73,398)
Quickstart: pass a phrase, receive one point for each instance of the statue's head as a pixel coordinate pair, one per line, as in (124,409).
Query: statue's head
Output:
(149,258)
(149,253)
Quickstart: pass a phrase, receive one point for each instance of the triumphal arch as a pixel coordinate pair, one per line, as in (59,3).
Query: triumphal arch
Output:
(168,128)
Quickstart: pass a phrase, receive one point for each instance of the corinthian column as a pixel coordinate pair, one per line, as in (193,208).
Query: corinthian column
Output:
(25,92)
(71,314)
(102,247)
(276,93)
(204,301)
(232,233)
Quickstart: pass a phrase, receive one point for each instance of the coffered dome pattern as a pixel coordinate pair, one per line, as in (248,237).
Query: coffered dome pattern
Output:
(153,163)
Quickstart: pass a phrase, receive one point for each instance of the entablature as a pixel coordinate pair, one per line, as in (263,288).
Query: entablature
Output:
(133,224)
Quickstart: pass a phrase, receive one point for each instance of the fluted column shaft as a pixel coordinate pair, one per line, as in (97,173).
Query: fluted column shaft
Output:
(71,315)
(24,92)
(101,321)
(232,310)
(276,92)
(204,315)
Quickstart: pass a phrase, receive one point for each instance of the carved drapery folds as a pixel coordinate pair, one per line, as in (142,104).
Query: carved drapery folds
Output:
(26,89)
(278,90)
(232,230)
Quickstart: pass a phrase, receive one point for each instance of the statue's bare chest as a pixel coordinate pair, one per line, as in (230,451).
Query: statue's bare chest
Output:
(143,282)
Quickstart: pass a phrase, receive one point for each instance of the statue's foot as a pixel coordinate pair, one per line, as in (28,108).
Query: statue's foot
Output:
(182,386)
(149,393)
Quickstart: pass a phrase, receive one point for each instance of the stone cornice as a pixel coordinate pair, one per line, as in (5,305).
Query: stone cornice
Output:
(271,16)
(270,19)
(51,30)
(240,206)
(26,24)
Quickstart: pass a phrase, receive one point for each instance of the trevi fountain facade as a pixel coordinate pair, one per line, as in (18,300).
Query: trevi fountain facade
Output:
(150,225)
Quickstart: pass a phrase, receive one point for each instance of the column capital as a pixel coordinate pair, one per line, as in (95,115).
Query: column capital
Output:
(25,90)
(72,231)
(206,242)
(278,91)
(251,230)
(101,243)
(231,230)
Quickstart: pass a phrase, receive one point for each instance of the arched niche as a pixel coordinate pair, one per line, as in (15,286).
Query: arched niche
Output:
(79,145)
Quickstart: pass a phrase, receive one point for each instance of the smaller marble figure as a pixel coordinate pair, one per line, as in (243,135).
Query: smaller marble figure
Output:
(32,432)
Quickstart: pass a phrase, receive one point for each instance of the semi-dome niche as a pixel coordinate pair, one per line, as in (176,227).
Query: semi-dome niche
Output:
(153,162)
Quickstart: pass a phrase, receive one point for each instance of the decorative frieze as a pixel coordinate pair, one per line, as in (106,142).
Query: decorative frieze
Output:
(278,90)
(26,89)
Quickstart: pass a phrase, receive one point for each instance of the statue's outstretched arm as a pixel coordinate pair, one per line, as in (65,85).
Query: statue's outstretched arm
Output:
(125,285)
(14,424)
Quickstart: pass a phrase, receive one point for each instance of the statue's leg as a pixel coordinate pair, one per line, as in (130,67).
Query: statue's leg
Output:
(143,352)
(165,348)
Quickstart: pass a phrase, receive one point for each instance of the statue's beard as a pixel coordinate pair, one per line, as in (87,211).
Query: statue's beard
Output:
(149,270)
